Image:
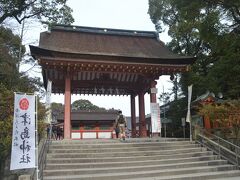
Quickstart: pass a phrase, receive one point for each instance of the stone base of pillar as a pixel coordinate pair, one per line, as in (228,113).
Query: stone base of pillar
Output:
(143,134)
(155,134)
(133,134)
(24,177)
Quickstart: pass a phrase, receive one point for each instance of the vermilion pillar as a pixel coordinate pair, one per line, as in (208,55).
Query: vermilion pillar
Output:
(207,123)
(153,99)
(142,121)
(67,108)
(133,115)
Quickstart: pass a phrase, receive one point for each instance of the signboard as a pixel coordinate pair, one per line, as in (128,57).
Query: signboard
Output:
(154,90)
(183,122)
(155,118)
(23,136)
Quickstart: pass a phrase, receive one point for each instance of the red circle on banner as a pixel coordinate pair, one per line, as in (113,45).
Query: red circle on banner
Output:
(24,104)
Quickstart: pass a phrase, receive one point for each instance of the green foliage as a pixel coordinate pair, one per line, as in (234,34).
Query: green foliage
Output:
(10,82)
(176,112)
(9,75)
(5,140)
(215,112)
(6,122)
(6,116)
(9,50)
(83,104)
(54,11)
(57,108)
(208,30)
(224,113)
(41,114)
(234,111)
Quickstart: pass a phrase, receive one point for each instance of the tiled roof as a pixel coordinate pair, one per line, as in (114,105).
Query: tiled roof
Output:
(91,116)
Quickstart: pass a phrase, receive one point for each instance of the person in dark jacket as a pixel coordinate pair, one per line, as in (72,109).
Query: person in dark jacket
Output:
(122,124)
(59,133)
(117,130)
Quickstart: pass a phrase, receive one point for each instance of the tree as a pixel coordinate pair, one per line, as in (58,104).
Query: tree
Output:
(57,108)
(9,50)
(12,81)
(51,11)
(83,104)
(223,114)
(41,114)
(6,116)
(208,30)
(9,75)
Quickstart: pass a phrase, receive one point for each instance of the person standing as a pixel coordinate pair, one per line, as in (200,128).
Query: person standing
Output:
(54,132)
(122,124)
(117,130)
(48,131)
(58,133)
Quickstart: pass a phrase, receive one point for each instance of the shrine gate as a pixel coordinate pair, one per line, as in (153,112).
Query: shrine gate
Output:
(86,60)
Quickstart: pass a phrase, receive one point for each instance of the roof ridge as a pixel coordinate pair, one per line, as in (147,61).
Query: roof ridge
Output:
(109,31)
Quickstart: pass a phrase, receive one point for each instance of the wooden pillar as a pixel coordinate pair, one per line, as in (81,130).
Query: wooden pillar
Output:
(142,121)
(67,108)
(133,115)
(97,129)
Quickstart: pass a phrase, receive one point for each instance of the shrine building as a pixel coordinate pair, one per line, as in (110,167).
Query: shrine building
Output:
(94,124)
(101,61)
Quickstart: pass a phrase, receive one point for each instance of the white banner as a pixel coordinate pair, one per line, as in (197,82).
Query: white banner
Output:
(23,136)
(189,103)
(49,92)
(48,102)
(155,118)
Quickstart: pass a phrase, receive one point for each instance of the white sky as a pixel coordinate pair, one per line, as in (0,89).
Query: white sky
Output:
(119,14)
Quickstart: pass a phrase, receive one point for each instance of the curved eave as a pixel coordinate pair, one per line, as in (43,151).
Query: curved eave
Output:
(38,52)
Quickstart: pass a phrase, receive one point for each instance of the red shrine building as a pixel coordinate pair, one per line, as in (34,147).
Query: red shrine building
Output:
(86,60)
(98,124)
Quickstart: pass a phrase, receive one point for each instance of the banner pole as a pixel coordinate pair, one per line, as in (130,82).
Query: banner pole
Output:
(188,118)
(191,138)
(36,134)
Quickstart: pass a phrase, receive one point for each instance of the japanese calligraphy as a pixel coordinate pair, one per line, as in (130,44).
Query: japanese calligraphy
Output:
(23,140)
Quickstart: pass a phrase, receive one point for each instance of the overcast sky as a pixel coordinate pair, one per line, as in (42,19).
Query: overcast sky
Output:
(119,14)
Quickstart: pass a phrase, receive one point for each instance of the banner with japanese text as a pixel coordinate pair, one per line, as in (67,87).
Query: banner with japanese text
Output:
(23,136)
(48,102)
(189,103)
(155,118)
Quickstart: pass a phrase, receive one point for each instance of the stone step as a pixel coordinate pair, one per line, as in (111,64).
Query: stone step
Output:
(104,170)
(133,159)
(85,141)
(119,148)
(118,167)
(223,175)
(127,159)
(117,144)
(74,174)
(157,139)
(131,140)
(79,154)
(80,165)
